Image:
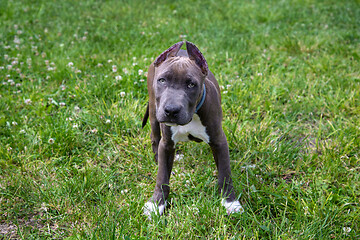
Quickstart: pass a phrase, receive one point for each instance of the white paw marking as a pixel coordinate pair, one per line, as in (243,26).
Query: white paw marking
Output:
(152,208)
(195,128)
(232,207)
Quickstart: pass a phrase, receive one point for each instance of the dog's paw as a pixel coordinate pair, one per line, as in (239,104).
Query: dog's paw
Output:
(152,208)
(232,207)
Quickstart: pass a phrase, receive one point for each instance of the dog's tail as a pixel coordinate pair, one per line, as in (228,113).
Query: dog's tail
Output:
(146,116)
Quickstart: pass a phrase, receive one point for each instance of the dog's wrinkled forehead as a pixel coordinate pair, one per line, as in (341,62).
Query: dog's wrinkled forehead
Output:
(178,66)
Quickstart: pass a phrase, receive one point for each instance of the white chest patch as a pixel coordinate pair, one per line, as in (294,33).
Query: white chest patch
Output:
(195,128)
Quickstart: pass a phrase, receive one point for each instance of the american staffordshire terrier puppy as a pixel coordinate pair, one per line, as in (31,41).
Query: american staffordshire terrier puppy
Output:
(185,104)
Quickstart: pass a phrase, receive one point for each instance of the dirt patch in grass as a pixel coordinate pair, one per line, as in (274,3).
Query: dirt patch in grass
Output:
(12,230)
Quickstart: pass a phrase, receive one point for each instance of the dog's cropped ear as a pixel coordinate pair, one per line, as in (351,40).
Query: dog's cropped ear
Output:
(171,52)
(195,54)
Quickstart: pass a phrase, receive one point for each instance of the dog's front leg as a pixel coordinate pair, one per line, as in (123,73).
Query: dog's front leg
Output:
(155,137)
(220,150)
(166,153)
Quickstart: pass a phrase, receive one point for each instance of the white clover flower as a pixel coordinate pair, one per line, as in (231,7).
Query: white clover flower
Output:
(17,40)
(77,109)
(11,82)
(122,94)
(94,130)
(114,68)
(118,78)
(179,157)
(125,70)
(346,229)
(62,104)
(140,72)
(14,123)
(75,126)
(51,140)
(27,101)
(70,64)
(108,121)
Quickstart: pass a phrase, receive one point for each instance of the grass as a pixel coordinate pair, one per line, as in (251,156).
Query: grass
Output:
(75,163)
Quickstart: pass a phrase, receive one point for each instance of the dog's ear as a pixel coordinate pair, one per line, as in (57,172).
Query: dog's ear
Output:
(195,54)
(171,52)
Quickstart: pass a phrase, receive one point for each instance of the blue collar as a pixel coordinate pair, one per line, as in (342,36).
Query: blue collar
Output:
(201,101)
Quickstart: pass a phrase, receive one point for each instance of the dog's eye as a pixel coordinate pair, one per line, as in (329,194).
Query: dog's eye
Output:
(161,80)
(191,85)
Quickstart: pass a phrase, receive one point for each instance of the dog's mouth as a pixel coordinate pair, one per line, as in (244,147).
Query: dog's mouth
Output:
(174,124)
(169,124)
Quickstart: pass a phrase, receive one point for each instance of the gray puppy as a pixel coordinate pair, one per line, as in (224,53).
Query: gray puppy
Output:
(185,104)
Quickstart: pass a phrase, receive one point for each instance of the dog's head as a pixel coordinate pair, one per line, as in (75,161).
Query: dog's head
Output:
(178,83)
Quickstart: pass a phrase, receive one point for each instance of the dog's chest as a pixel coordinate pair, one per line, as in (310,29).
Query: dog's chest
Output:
(194,130)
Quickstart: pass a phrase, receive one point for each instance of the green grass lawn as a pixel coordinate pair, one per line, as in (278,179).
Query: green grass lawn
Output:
(75,163)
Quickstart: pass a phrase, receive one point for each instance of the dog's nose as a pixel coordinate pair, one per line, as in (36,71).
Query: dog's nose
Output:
(172,110)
